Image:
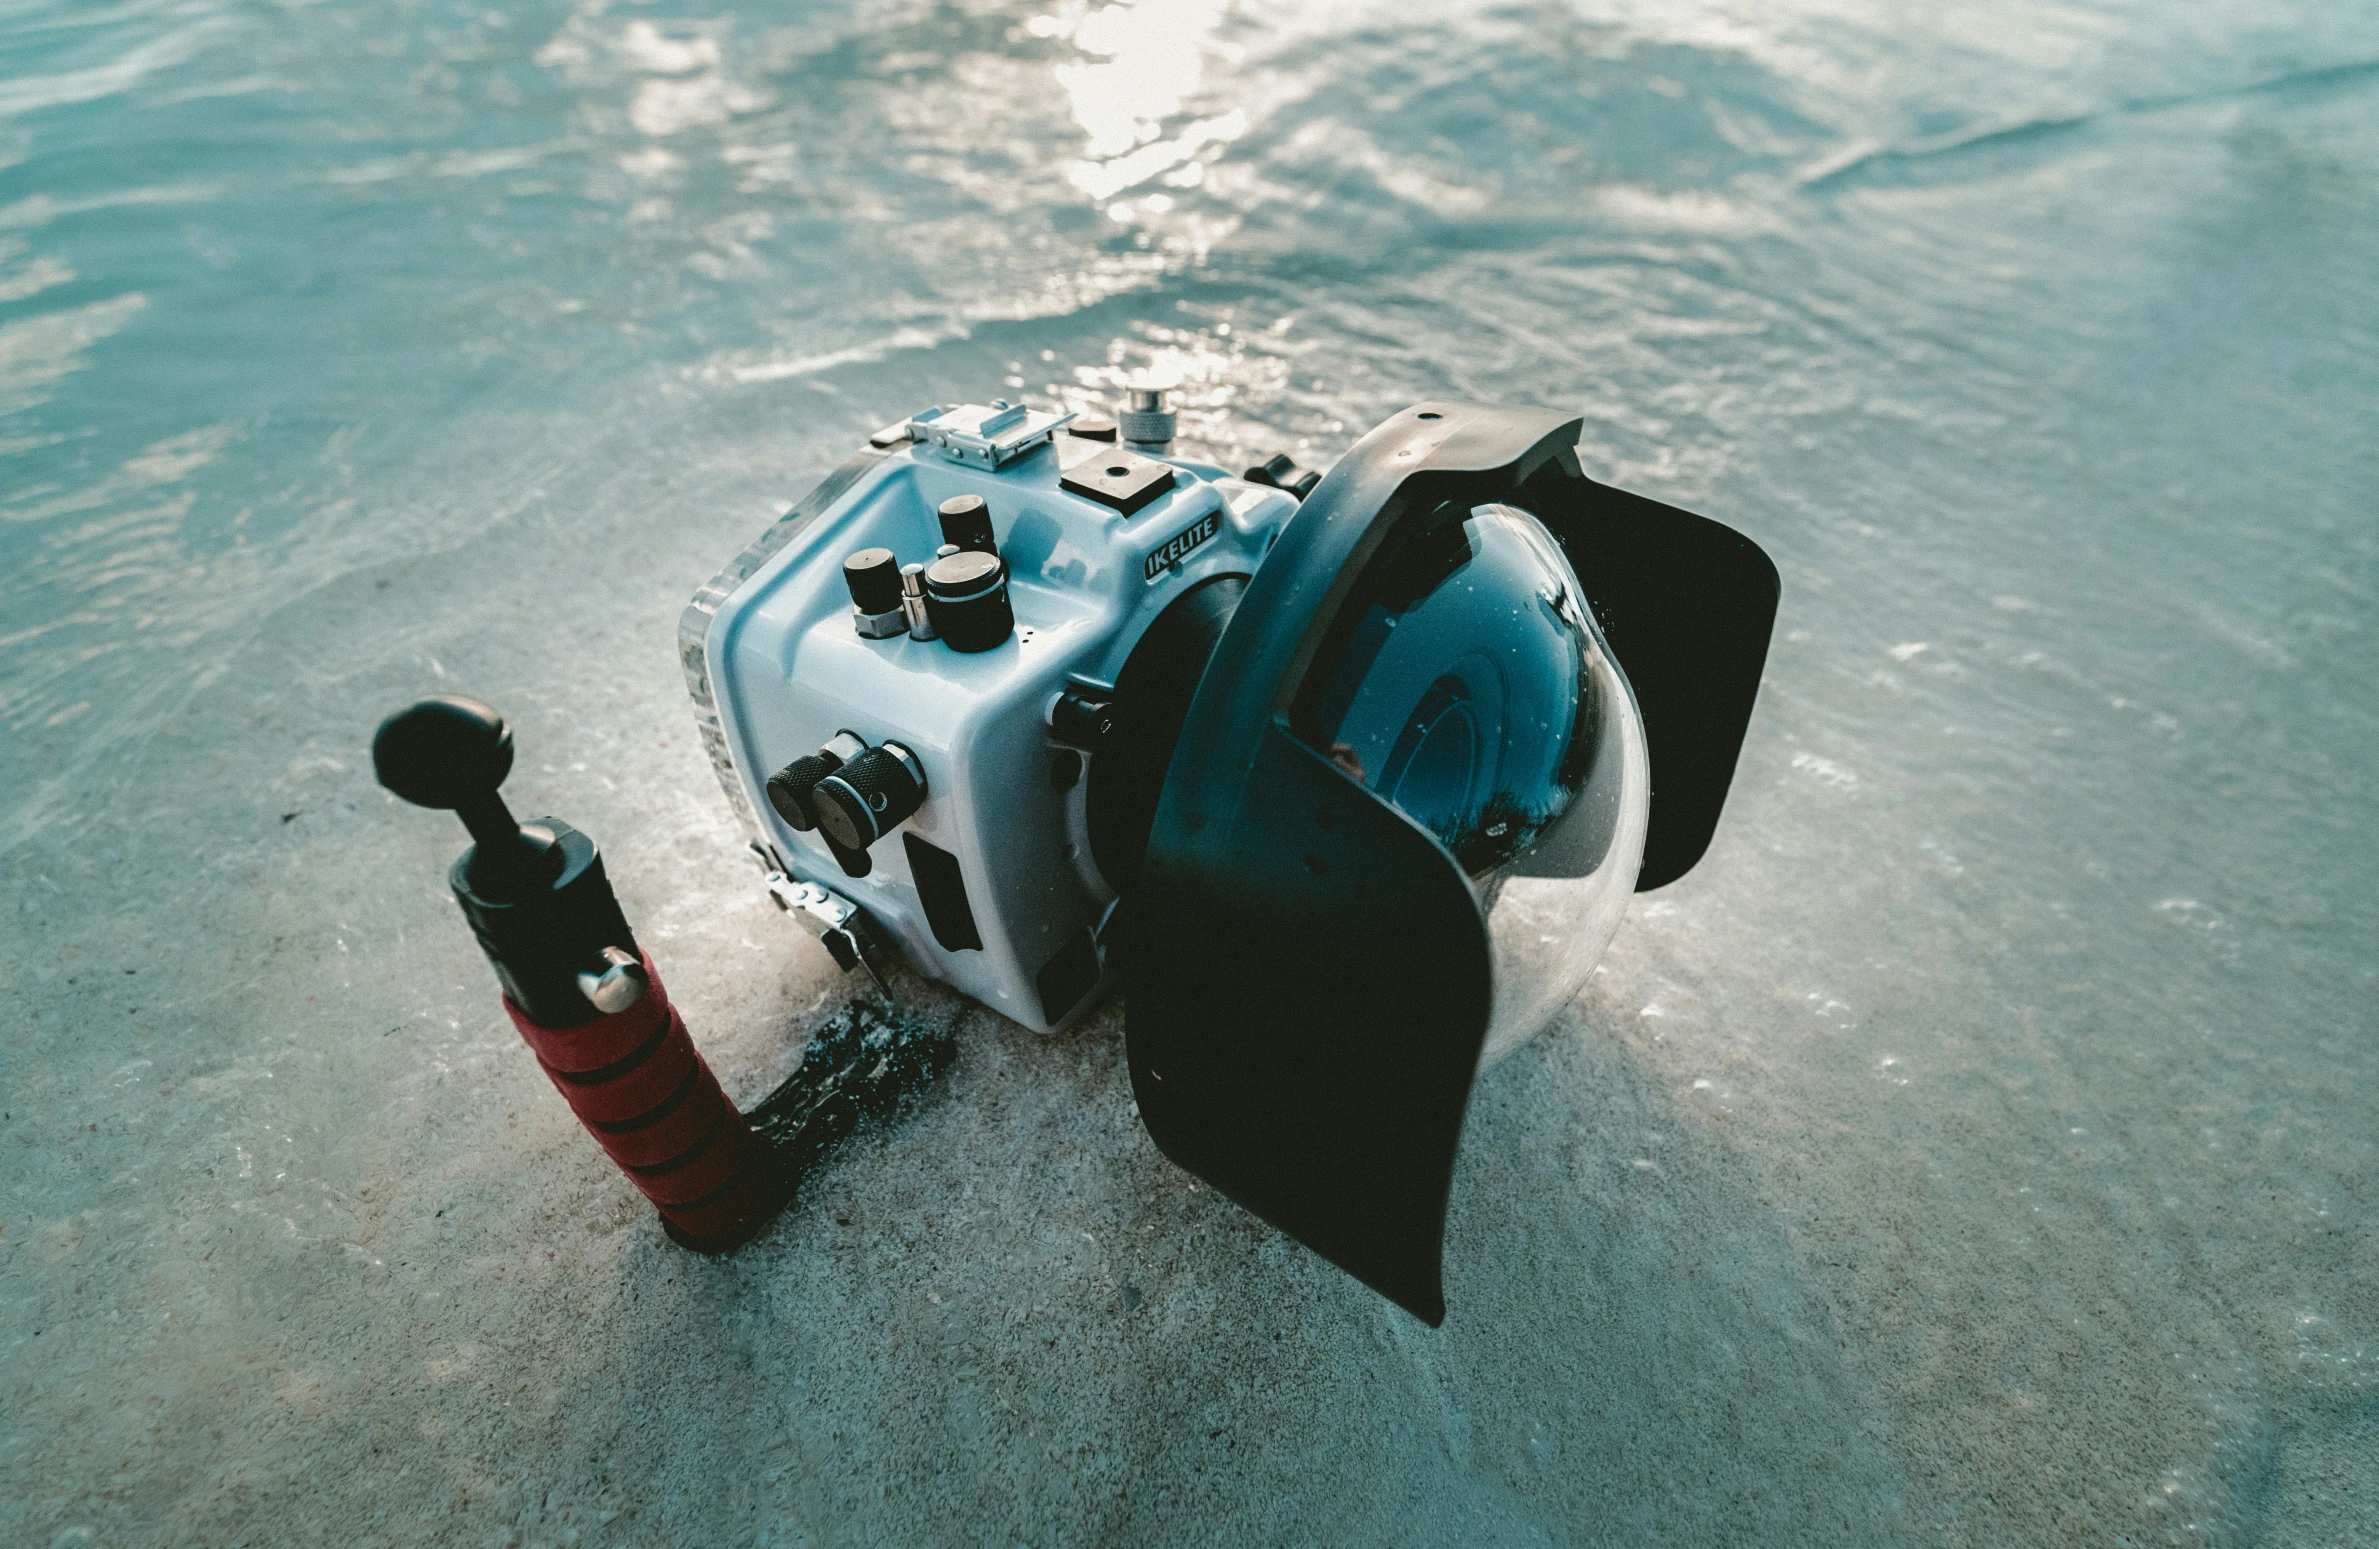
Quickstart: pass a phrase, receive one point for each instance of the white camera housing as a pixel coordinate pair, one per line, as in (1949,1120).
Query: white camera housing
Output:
(780,664)
(1344,803)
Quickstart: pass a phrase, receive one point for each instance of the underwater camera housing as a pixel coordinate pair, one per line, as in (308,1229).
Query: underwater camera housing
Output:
(1341,777)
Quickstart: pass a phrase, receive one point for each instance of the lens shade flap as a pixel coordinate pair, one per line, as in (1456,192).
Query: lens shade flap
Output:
(1307,1006)
(1688,606)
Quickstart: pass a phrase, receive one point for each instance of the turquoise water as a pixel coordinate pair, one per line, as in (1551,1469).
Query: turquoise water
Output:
(1978,1148)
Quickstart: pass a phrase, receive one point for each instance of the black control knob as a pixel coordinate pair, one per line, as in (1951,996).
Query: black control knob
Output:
(873,575)
(967,595)
(869,797)
(790,787)
(1082,720)
(966,522)
(1092,427)
(1280,471)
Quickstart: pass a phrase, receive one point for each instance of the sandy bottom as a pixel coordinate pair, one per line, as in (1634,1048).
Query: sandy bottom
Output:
(1785,1233)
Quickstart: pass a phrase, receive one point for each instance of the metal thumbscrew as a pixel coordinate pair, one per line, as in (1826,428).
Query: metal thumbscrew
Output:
(621,983)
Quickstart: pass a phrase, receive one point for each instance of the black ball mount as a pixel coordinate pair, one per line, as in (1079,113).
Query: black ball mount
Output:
(537,898)
(535,893)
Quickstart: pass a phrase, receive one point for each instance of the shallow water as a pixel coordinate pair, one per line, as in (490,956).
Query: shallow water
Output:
(1980,1147)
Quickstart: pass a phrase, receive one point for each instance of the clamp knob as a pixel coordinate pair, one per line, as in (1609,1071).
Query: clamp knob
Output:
(1280,471)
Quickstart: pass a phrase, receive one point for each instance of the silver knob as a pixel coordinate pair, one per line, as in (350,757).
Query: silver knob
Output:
(619,985)
(1147,419)
(912,602)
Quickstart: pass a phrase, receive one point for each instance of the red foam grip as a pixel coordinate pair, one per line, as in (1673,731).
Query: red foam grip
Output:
(590,1046)
(674,1134)
(642,1090)
(708,1169)
(626,1094)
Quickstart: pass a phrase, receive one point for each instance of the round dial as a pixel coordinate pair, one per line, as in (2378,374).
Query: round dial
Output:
(868,797)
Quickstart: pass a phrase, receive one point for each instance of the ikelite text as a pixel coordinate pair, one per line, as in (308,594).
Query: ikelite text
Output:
(1170,552)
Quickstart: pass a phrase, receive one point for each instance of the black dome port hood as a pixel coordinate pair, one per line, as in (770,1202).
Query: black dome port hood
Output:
(1307,970)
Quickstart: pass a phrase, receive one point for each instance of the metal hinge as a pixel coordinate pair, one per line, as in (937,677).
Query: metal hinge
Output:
(841,925)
